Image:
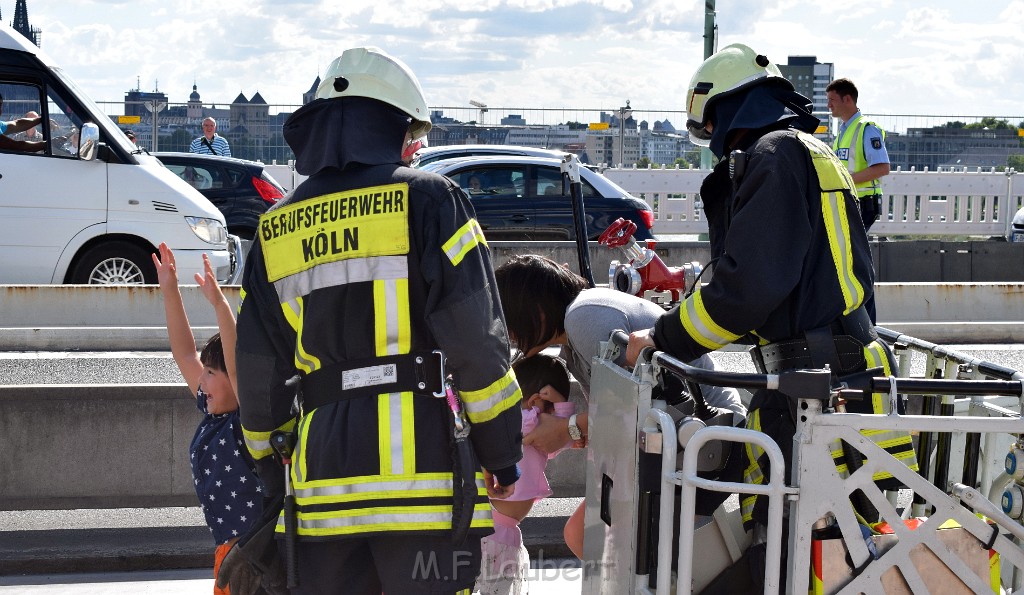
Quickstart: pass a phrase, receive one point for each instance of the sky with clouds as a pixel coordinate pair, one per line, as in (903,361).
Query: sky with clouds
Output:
(943,57)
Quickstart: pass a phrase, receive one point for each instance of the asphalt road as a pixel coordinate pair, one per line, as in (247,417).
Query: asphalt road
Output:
(149,367)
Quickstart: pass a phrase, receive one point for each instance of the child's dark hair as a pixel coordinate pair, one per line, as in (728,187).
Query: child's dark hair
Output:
(212,354)
(535,372)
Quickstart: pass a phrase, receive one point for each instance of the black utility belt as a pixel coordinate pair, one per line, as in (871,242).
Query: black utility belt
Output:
(796,354)
(417,372)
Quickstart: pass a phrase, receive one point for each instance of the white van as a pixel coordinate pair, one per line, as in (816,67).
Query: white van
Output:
(91,207)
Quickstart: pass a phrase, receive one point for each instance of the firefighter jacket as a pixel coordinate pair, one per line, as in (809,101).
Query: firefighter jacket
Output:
(790,257)
(367,261)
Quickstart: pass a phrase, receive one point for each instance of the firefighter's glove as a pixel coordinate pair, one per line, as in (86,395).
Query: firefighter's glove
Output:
(253,562)
(237,573)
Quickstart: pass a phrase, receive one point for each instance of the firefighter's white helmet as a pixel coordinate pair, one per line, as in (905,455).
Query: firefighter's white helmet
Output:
(729,70)
(372,72)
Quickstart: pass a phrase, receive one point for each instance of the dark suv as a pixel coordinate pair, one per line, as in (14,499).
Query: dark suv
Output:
(241,189)
(522,198)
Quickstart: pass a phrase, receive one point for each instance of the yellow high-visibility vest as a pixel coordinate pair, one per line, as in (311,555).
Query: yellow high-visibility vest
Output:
(852,141)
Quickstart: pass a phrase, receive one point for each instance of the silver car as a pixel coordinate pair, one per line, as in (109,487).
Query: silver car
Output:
(432,154)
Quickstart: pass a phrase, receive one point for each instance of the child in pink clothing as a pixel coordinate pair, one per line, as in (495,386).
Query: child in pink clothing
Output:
(544,381)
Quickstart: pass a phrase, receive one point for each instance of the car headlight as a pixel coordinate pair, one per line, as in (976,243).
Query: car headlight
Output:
(208,230)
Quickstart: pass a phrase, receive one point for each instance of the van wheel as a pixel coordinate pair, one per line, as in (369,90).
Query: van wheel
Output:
(114,263)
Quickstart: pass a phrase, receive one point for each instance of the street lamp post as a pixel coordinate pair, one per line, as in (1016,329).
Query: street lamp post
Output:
(624,113)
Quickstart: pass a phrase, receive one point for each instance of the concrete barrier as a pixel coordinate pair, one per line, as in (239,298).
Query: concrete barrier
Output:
(85,318)
(125,446)
(96,446)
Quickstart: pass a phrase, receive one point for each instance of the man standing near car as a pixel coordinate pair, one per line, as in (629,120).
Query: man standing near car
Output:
(860,145)
(210,143)
(367,287)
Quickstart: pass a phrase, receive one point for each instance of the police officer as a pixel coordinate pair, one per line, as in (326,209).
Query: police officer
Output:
(360,283)
(860,145)
(792,267)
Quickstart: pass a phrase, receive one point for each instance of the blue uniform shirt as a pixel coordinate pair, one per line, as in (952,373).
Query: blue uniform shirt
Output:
(224,474)
(874,145)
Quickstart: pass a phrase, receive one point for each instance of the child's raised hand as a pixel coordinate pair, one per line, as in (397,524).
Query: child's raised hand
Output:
(549,394)
(208,283)
(166,271)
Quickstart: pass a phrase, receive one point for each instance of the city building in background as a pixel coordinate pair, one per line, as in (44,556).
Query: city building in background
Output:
(953,148)
(809,78)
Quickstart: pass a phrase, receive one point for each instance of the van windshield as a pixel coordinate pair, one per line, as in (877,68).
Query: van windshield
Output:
(106,125)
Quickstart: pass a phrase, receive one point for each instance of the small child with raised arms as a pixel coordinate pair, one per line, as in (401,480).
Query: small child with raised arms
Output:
(544,381)
(230,494)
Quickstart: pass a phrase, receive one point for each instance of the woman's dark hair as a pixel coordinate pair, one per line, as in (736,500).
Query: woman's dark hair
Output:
(535,292)
(538,371)
(212,354)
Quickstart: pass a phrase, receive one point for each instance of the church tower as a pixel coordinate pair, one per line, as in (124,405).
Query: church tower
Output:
(20,23)
(194,111)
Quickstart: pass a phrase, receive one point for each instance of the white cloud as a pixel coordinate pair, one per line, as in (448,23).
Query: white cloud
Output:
(946,57)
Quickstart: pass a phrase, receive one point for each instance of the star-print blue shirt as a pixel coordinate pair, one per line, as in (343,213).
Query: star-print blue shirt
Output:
(229,491)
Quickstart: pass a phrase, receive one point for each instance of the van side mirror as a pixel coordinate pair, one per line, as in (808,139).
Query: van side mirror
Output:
(88,141)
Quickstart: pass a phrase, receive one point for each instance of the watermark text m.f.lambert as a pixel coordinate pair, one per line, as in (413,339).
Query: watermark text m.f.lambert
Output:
(427,566)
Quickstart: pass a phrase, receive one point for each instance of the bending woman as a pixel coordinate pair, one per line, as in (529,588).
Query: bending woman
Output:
(547,304)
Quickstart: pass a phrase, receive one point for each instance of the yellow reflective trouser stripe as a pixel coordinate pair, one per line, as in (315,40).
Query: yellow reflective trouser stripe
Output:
(258,443)
(384,518)
(293,313)
(462,241)
(489,402)
(699,325)
(752,474)
(392,336)
(898,444)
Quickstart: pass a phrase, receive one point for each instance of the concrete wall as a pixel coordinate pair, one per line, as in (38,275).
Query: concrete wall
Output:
(124,446)
(96,446)
(65,317)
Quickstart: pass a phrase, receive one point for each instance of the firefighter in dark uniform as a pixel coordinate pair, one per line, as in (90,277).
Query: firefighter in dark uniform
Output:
(792,265)
(358,284)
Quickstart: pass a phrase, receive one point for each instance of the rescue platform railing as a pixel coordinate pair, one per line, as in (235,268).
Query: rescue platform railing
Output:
(819,494)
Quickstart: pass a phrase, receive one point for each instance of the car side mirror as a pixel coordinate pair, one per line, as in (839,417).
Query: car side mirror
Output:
(88,141)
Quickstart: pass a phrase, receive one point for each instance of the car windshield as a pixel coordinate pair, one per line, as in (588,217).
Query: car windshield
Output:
(110,131)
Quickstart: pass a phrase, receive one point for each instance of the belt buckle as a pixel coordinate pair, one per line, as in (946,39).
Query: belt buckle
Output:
(442,394)
(755,354)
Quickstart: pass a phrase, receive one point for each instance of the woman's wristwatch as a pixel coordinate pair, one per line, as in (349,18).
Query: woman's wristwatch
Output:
(574,430)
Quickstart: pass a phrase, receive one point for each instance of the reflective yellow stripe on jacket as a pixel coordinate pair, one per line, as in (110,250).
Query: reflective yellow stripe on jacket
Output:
(833,180)
(353,512)
(258,443)
(700,326)
(465,239)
